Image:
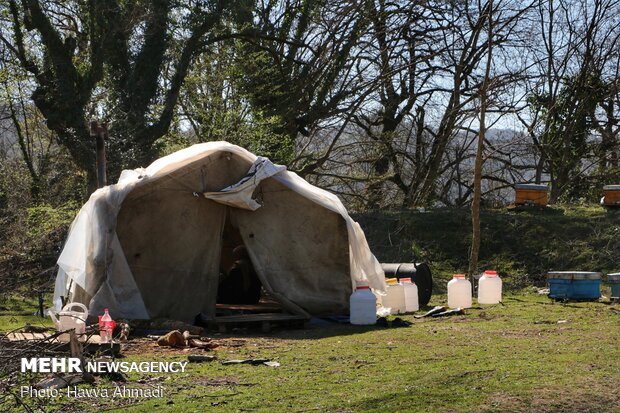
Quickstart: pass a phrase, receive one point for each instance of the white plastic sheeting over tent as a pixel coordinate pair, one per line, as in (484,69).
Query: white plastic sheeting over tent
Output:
(148,247)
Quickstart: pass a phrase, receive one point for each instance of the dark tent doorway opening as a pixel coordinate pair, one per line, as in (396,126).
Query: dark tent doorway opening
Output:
(240,290)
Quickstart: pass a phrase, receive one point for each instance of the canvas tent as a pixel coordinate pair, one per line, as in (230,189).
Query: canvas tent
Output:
(150,245)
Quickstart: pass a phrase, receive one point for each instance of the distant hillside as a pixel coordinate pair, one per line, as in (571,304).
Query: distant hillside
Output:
(522,246)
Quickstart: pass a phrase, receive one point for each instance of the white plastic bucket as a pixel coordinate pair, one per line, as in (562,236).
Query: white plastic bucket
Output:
(363,306)
(411,295)
(459,292)
(395,297)
(490,288)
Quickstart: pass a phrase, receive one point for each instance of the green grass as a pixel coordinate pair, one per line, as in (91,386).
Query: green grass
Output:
(17,311)
(514,357)
(510,357)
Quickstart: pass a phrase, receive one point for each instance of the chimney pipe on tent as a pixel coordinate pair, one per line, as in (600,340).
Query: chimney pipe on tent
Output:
(100,133)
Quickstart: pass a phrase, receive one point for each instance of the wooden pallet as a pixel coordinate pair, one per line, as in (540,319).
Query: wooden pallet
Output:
(232,309)
(92,346)
(265,321)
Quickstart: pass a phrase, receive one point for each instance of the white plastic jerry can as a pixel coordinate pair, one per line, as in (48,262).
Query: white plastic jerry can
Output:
(459,292)
(489,288)
(363,306)
(411,295)
(395,297)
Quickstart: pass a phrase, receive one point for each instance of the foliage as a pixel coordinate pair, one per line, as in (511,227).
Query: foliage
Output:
(375,101)
(45,221)
(70,50)
(32,232)
(217,109)
(523,246)
(567,129)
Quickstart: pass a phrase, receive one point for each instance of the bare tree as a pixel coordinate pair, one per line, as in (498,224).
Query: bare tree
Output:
(575,76)
(484,90)
(70,49)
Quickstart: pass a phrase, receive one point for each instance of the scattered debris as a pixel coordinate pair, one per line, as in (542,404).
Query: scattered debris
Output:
(35,329)
(434,310)
(187,335)
(200,358)
(186,339)
(202,344)
(397,322)
(384,312)
(272,364)
(59,381)
(172,339)
(124,336)
(543,291)
(562,321)
(456,311)
(254,362)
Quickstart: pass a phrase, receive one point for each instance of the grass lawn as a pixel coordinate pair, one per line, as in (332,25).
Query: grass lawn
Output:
(511,357)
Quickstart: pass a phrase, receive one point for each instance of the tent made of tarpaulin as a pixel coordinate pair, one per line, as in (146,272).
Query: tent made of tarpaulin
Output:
(149,246)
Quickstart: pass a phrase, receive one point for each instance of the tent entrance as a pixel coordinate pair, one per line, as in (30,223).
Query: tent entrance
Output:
(240,290)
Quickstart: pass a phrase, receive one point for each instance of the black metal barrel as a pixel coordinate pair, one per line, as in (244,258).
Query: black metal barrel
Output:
(420,274)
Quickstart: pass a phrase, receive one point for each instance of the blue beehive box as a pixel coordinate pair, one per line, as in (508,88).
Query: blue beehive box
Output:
(614,283)
(580,285)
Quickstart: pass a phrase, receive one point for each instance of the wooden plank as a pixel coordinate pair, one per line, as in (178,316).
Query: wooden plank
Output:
(265,321)
(258,317)
(93,345)
(250,308)
(18,336)
(64,338)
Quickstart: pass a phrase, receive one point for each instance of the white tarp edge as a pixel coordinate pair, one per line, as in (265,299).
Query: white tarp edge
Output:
(239,195)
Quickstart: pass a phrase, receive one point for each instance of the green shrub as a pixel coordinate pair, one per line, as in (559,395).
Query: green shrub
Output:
(45,221)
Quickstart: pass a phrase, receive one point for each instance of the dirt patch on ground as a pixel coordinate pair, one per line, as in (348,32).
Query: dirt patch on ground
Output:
(597,398)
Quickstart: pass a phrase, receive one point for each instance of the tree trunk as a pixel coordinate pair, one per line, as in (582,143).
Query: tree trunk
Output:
(475,205)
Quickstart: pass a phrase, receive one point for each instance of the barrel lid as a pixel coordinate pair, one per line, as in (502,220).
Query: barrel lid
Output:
(363,287)
(613,277)
(458,276)
(611,188)
(405,280)
(490,273)
(535,187)
(391,281)
(574,275)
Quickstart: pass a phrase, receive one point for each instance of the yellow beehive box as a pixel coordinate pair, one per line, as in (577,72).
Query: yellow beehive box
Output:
(531,194)
(611,195)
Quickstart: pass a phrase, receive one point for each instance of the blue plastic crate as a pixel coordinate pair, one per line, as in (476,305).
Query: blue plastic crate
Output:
(614,283)
(574,285)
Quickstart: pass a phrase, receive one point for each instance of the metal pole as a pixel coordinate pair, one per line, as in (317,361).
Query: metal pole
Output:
(40,297)
(100,134)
